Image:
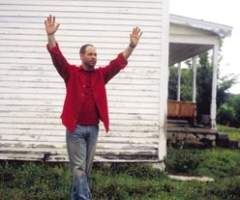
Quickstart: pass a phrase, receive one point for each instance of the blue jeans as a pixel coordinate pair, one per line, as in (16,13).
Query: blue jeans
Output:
(81,146)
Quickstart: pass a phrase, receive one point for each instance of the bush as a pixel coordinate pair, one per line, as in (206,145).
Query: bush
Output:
(229,112)
(130,181)
(182,161)
(226,114)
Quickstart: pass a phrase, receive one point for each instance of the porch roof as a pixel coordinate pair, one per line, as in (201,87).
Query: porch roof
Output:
(202,37)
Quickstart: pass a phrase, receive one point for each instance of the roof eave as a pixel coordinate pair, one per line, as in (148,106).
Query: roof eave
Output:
(219,29)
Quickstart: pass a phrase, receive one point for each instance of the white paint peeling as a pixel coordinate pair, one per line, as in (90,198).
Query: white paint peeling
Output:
(32,93)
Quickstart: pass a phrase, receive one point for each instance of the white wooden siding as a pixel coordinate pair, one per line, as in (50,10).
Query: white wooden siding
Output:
(32,93)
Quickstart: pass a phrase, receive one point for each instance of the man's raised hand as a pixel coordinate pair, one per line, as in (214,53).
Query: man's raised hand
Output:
(135,37)
(50,25)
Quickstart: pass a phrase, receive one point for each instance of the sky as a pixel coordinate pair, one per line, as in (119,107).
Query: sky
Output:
(225,12)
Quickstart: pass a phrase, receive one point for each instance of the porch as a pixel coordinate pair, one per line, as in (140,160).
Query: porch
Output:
(184,131)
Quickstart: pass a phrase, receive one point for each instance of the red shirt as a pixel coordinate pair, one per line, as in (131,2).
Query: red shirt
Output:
(89,114)
(73,77)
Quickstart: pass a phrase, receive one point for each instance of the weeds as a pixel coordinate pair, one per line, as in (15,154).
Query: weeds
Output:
(33,180)
(130,181)
(233,133)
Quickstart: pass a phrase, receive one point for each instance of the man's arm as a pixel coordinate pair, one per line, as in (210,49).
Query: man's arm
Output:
(58,60)
(51,41)
(134,39)
(51,27)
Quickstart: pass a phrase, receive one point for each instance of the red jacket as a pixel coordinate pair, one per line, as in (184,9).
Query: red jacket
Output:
(74,89)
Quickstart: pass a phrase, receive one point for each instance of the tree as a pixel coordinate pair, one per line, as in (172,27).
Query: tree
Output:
(186,84)
(234,101)
(172,83)
(224,84)
(204,85)
(186,88)
(229,112)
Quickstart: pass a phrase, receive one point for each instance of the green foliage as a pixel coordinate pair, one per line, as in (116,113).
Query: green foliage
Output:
(224,84)
(234,101)
(182,162)
(233,133)
(33,180)
(130,181)
(229,106)
(186,84)
(229,112)
(226,114)
(204,85)
(186,88)
(135,170)
(173,83)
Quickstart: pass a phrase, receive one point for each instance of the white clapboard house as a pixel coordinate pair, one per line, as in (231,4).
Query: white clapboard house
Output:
(32,92)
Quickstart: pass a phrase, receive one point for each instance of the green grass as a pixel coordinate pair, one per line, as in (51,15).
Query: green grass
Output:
(233,133)
(33,180)
(123,181)
(130,181)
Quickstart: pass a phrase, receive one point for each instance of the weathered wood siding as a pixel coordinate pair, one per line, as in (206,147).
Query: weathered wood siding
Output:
(32,92)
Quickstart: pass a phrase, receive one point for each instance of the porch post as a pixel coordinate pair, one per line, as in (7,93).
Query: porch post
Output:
(214,87)
(194,71)
(179,82)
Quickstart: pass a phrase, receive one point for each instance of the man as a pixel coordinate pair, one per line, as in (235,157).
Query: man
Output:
(85,103)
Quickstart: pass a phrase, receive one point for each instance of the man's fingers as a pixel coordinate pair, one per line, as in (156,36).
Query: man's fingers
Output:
(51,19)
(137,31)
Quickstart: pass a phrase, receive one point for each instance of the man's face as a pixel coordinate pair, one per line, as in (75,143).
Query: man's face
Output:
(89,58)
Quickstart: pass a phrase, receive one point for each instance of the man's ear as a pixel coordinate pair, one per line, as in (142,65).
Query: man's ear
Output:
(81,55)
